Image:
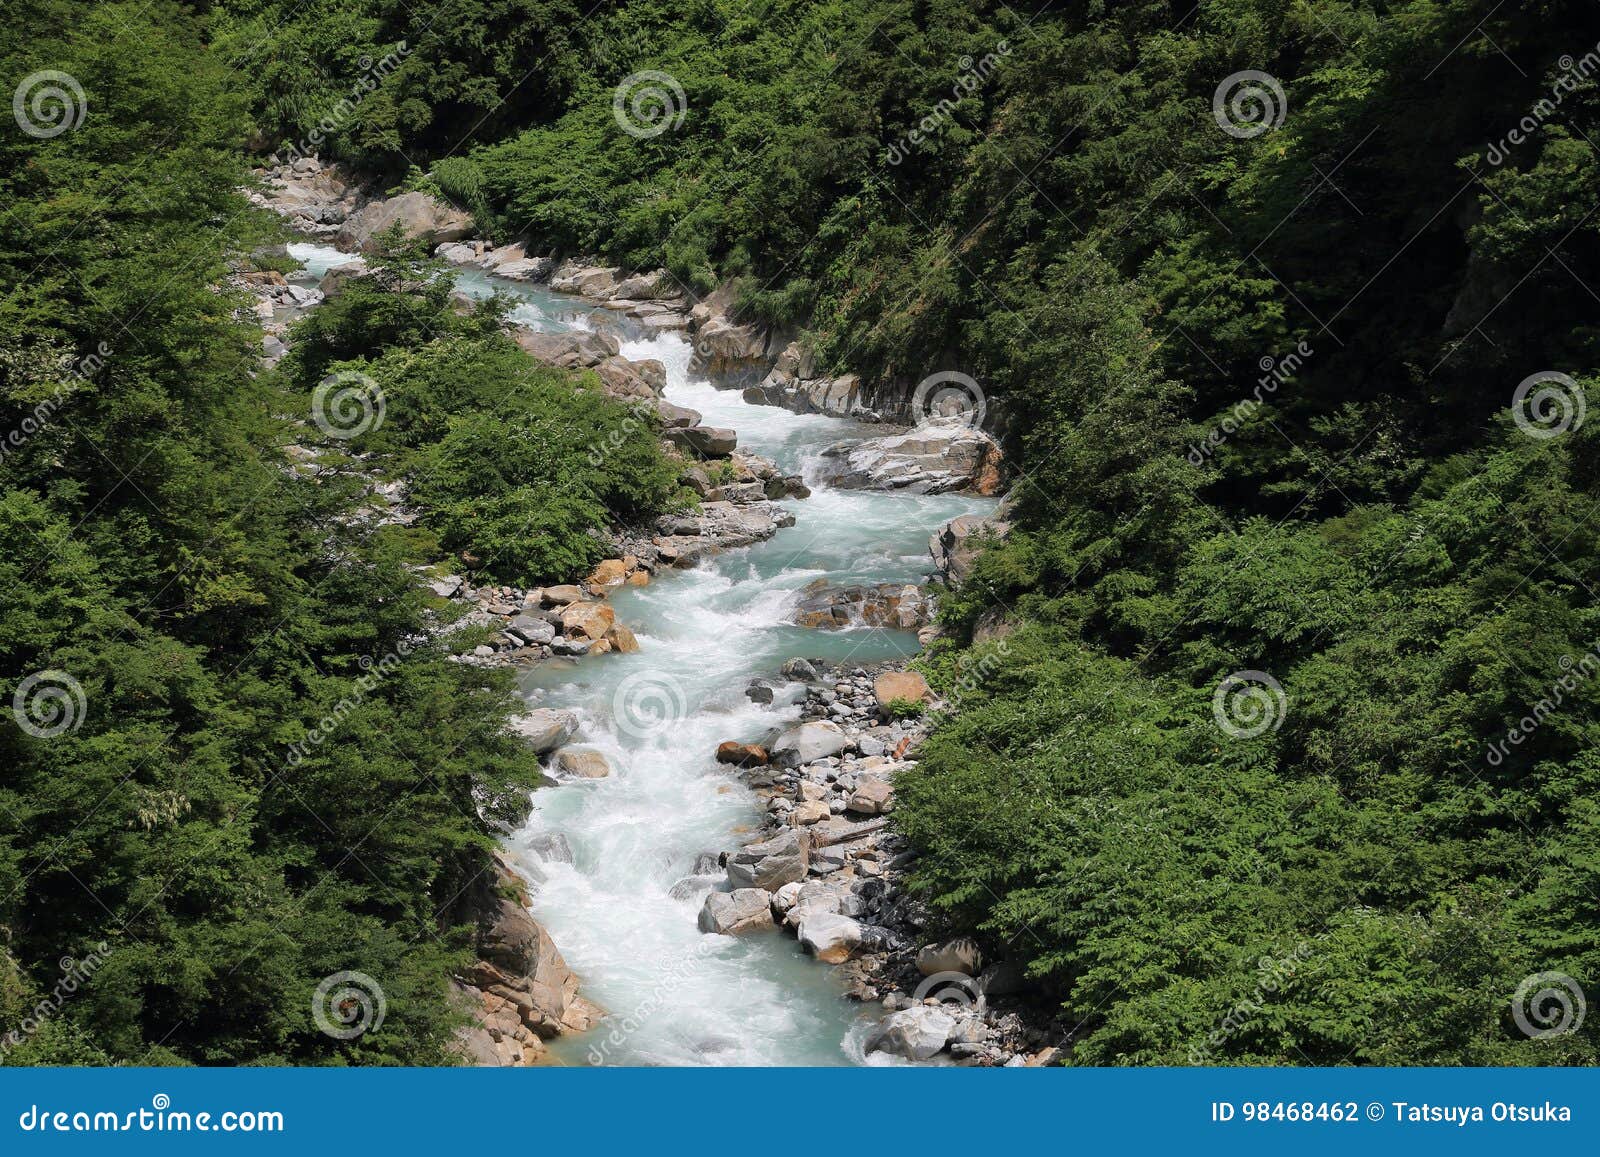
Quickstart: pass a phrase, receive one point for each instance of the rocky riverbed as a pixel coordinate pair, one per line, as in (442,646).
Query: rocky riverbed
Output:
(826,866)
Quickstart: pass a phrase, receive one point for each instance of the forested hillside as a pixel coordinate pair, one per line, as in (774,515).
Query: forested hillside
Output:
(1262,355)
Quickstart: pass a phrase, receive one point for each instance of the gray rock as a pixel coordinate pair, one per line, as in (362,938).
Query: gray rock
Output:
(799,669)
(915,1033)
(959,955)
(731,913)
(940,455)
(808,742)
(546,728)
(533,630)
(829,937)
(552,849)
(709,441)
(772,863)
(418,215)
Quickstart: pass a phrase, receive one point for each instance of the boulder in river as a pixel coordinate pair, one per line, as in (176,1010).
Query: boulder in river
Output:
(521,966)
(587,620)
(545,728)
(742,754)
(829,937)
(573,351)
(902,606)
(916,1033)
(772,863)
(583,762)
(731,913)
(941,455)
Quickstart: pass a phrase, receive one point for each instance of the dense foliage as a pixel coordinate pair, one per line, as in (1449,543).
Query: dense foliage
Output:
(516,472)
(1037,194)
(1349,299)
(205,862)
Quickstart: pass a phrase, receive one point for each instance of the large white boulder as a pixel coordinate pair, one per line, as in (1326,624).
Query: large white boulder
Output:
(742,910)
(546,728)
(915,1033)
(808,742)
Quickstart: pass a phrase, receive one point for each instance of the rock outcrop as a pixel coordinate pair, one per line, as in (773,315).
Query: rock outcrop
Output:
(954,546)
(902,606)
(941,455)
(419,216)
(520,992)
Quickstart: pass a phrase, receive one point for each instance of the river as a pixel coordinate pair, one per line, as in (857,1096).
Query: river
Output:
(677,996)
